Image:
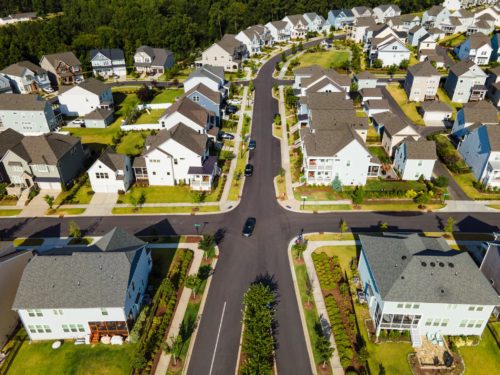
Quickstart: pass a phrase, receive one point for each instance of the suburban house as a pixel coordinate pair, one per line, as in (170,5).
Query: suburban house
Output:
(419,284)
(373,106)
(84,98)
(389,49)
(208,75)
(490,267)
(471,113)
(63,68)
(393,130)
(480,149)
(370,94)
(227,53)
(5,87)
(413,159)
(111,173)
(322,104)
(465,82)
(477,48)
(314,78)
(358,29)
(362,11)
(435,113)
(108,62)
(49,161)
(382,12)
(495,45)
(208,99)
(26,77)
(340,18)
(153,60)
(315,22)
(415,34)
(254,38)
(365,80)
(85,292)
(177,155)
(280,31)
(27,114)
(421,82)
(12,265)
(493,84)
(10,138)
(452,5)
(99,118)
(434,16)
(298,26)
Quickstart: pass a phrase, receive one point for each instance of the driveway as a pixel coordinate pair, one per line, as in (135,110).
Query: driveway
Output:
(101,204)
(454,189)
(38,206)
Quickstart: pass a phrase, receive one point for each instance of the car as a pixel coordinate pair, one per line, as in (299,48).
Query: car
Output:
(78,121)
(48,90)
(224,135)
(231,109)
(248,170)
(78,80)
(252,144)
(234,101)
(249,227)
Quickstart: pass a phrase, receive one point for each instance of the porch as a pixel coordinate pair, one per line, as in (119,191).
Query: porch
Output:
(100,329)
(478,92)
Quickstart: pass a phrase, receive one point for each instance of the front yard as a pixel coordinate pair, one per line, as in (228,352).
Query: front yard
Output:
(409,108)
(167,96)
(327,59)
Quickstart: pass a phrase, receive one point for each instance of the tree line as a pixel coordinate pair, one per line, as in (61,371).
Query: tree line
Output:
(183,26)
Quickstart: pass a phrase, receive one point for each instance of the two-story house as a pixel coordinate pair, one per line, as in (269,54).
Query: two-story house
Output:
(340,18)
(421,82)
(315,22)
(415,34)
(111,173)
(413,159)
(298,26)
(208,99)
(49,161)
(471,113)
(314,78)
(208,75)
(382,12)
(393,130)
(390,50)
(434,16)
(490,267)
(465,82)
(10,138)
(5,87)
(85,292)
(419,284)
(477,48)
(84,98)
(108,62)
(28,114)
(227,53)
(254,38)
(280,31)
(63,68)
(153,60)
(362,11)
(358,29)
(26,77)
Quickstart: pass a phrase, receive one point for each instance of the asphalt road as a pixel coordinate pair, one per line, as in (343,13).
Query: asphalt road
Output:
(243,260)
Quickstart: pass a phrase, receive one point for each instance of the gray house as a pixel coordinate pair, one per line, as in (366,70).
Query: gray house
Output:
(465,82)
(49,160)
(27,114)
(9,138)
(153,60)
(422,82)
(208,99)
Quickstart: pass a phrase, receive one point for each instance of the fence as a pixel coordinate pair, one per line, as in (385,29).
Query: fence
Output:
(139,127)
(140,107)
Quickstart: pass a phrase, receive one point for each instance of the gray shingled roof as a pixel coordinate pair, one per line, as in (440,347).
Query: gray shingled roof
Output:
(190,109)
(296,18)
(493,136)
(435,10)
(481,111)
(478,40)
(436,106)
(462,67)
(158,56)
(365,75)
(392,123)
(423,69)
(91,84)
(375,92)
(99,114)
(215,73)
(118,239)
(180,133)
(421,269)
(214,96)
(328,101)
(113,160)
(377,104)
(22,102)
(110,53)
(421,149)
(279,25)
(45,149)
(18,68)
(67,58)
(9,138)
(327,142)
(229,43)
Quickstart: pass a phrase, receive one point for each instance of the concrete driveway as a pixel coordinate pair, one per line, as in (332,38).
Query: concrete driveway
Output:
(101,204)
(38,206)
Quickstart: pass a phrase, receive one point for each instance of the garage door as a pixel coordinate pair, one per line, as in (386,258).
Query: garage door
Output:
(49,185)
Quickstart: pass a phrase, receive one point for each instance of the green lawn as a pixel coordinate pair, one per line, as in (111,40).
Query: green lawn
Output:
(380,153)
(345,254)
(5,212)
(466,183)
(132,143)
(168,194)
(326,59)
(163,210)
(82,195)
(28,242)
(152,117)
(236,186)
(8,202)
(326,207)
(443,97)
(70,359)
(398,206)
(409,108)
(484,358)
(167,96)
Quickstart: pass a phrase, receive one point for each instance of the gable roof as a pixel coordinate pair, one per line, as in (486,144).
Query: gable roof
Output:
(18,68)
(279,25)
(435,10)
(316,72)
(376,92)
(481,111)
(328,142)
(67,58)
(377,104)
(364,75)
(328,100)
(229,43)
(99,114)
(296,18)
(347,12)
(478,40)
(189,109)
(45,149)
(214,96)
(110,53)
(421,149)
(113,160)
(180,133)
(159,56)
(214,73)
(493,136)
(423,69)
(462,67)
(410,268)
(91,85)
(118,239)
(9,138)
(392,123)
(436,106)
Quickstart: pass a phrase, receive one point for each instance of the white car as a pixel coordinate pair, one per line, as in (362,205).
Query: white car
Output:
(48,90)
(234,101)
(78,121)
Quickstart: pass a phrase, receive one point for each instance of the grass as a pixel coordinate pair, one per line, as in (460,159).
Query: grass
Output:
(484,358)
(398,206)
(70,359)
(66,211)
(81,196)
(326,207)
(379,152)
(443,97)
(80,241)
(466,183)
(167,194)
(6,212)
(348,236)
(453,40)
(281,184)
(163,210)
(152,117)
(28,242)
(167,96)
(495,206)
(8,202)
(326,59)
(132,143)
(409,108)
(236,186)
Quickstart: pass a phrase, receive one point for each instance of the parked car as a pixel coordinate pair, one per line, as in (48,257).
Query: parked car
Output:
(231,109)
(234,101)
(248,170)
(249,227)
(78,80)
(224,135)
(48,90)
(252,144)
(78,121)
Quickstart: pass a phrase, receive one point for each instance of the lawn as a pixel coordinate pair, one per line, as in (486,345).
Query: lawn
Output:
(236,185)
(167,96)
(409,108)
(70,359)
(6,212)
(453,40)
(152,117)
(132,143)
(163,210)
(345,254)
(8,202)
(66,211)
(466,181)
(168,194)
(326,59)
(379,152)
(443,97)
(326,207)
(82,195)
(403,206)
(484,358)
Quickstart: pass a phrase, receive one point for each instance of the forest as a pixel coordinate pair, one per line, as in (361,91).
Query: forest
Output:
(183,26)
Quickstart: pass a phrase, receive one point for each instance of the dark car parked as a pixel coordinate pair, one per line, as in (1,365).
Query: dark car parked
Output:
(252,144)
(231,109)
(248,170)
(249,227)
(224,135)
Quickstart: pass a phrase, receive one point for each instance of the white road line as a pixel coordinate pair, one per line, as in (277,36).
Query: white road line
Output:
(217,340)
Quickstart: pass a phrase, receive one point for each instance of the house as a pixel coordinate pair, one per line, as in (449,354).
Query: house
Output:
(111,173)
(419,284)
(63,68)
(208,99)
(413,159)
(452,25)
(280,31)
(362,11)
(254,38)
(315,22)
(435,113)
(477,48)
(480,149)
(49,161)
(436,33)
(85,292)
(18,17)
(5,87)
(373,106)
(471,113)
(393,130)
(314,78)
(358,29)
(421,82)
(434,16)
(10,138)
(495,45)
(153,60)
(493,84)
(28,114)
(177,155)
(340,18)
(322,104)
(429,50)
(465,82)
(390,50)
(108,62)
(371,94)
(490,267)
(298,26)
(208,75)
(26,77)
(365,80)
(382,12)
(12,265)
(452,5)
(84,98)
(466,18)
(426,45)
(415,34)
(227,53)
(99,118)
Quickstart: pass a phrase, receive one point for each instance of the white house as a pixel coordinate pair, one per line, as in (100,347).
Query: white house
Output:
(374,106)
(393,130)
(421,82)
(477,48)
(419,284)
(84,98)
(111,173)
(415,34)
(208,75)
(413,159)
(86,292)
(315,22)
(153,60)
(382,12)
(298,26)
(317,79)
(280,31)
(358,29)
(107,62)
(471,113)
(452,5)
(434,16)
(227,53)
(389,49)
(371,94)
(435,113)
(465,82)
(365,80)
(254,38)
(480,149)
(26,77)
(340,18)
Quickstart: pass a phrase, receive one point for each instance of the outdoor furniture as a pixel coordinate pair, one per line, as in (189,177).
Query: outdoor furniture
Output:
(56,345)
(117,340)
(106,340)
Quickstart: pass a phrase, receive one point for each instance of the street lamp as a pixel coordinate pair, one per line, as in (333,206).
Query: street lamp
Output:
(197,227)
(304,198)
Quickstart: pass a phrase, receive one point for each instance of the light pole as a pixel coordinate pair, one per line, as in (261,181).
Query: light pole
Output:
(304,198)
(197,227)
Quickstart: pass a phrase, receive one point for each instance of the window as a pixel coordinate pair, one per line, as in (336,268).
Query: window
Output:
(31,313)
(436,322)
(479,323)
(479,308)
(196,98)
(428,322)
(444,323)
(39,329)
(416,306)
(58,312)
(47,329)
(65,328)
(175,161)
(471,308)
(38,312)
(72,327)
(104,311)
(101,175)
(408,306)
(32,329)
(463,323)
(400,305)
(41,168)
(348,163)
(80,328)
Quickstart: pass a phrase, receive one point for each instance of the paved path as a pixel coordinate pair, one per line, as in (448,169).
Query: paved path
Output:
(454,188)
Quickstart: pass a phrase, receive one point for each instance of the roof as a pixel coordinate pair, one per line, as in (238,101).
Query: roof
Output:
(9,138)
(215,73)
(113,160)
(328,101)
(384,7)
(392,123)
(22,102)
(214,96)
(327,142)
(159,56)
(325,119)
(45,149)
(67,58)
(118,239)
(110,53)
(99,114)
(436,106)
(423,69)
(296,18)
(316,72)
(229,43)
(91,85)
(365,21)
(279,25)
(481,111)
(364,75)
(375,92)
(422,269)
(347,12)
(18,68)
(462,67)
(421,149)
(206,169)
(189,109)
(378,104)
(435,10)
(180,133)
(478,40)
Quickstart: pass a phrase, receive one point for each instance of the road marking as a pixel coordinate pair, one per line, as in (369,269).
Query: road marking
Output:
(217,340)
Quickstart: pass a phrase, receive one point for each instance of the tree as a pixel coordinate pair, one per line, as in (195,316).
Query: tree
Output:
(145,94)
(300,47)
(346,65)
(358,196)
(294,49)
(404,64)
(142,198)
(377,64)
(173,346)
(354,87)
(134,202)
(250,86)
(383,226)
(337,184)
(309,289)
(441,181)
(392,69)
(324,349)
(450,224)
(283,57)
(193,282)
(207,244)
(49,199)
(343,226)
(74,230)
(421,198)
(299,248)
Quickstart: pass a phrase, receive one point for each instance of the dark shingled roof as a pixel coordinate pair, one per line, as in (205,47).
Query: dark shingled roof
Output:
(436,106)
(481,111)
(18,102)
(423,69)
(113,160)
(328,142)
(365,75)
(9,138)
(189,109)
(377,104)
(67,58)
(462,67)
(18,68)
(421,149)
(45,149)
(422,269)
(213,96)
(493,136)
(328,101)
(206,169)
(375,92)
(215,73)
(91,84)
(229,43)
(180,133)
(99,114)
(110,53)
